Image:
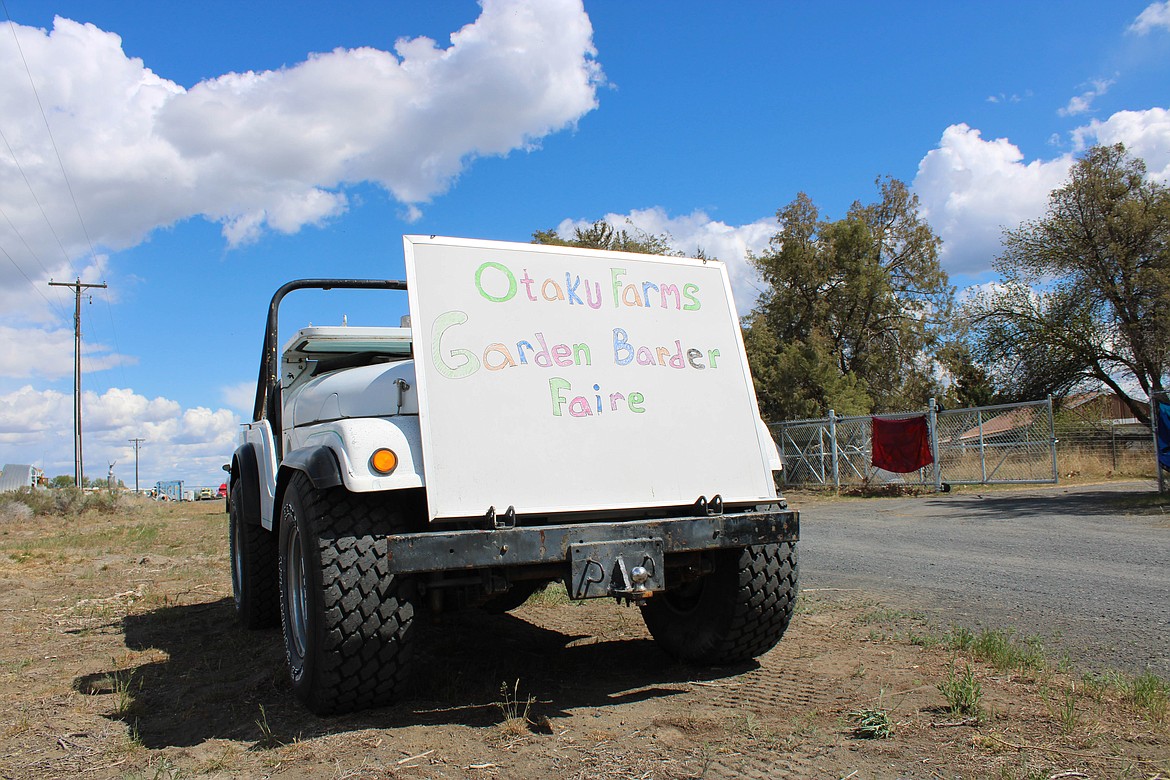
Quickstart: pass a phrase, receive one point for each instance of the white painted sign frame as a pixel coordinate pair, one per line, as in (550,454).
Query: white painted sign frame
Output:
(517,348)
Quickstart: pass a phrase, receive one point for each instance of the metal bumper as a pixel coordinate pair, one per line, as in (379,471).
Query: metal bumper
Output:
(479,549)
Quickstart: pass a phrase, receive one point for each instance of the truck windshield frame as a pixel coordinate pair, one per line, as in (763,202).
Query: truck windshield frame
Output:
(268,391)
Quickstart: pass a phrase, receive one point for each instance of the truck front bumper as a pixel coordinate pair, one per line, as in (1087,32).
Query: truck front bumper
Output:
(524,545)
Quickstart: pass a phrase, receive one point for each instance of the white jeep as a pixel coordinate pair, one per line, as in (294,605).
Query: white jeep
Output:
(386,475)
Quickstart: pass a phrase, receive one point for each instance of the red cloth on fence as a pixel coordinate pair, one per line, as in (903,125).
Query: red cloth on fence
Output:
(901,446)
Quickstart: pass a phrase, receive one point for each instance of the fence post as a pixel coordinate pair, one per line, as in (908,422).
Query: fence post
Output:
(1052,441)
(934,445)
(772,429)
(982,451)
(1113,443)
(1154,433)
(833,445)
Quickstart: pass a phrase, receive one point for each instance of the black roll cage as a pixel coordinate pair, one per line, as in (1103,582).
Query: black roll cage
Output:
(268,399)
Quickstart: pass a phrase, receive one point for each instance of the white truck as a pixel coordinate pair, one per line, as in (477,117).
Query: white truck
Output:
(549,414)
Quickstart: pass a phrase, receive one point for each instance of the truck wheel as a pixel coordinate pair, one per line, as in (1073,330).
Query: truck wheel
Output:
(737,612)
(254,579)
(348,621)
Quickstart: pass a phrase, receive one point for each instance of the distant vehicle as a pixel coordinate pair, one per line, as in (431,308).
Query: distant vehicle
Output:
(222,490)
(205,494)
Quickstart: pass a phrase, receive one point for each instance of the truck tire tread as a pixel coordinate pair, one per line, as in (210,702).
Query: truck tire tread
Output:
(255,583)
(740,610)
(361,614)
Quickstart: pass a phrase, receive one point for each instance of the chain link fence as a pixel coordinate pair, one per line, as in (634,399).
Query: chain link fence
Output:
(1099,436)
(985,445)
(997,444)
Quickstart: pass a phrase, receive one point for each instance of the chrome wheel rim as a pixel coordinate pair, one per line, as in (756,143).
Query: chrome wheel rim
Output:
(296,589)
(237,561)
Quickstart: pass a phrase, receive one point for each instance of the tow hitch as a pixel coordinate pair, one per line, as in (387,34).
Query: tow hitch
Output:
(631,569)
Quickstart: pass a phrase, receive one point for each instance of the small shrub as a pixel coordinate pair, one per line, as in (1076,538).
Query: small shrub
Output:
(124,684)
(62,502)
(1065,709)
(872,724)
(554,595)
(1151,693)
(103,503)
(12,511)
(961,639)
(1000,649)
(964,693)
(268,740)
(515,711)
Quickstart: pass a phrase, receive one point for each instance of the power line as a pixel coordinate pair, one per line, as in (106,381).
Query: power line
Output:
(30,281)
(37,200)
(49,130)
(32,253)
(72,197)
(114,333)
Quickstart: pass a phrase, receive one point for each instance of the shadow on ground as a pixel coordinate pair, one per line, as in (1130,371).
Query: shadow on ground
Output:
(1113,500)
(220,681)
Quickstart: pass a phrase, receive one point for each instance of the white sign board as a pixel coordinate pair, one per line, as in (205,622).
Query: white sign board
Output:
(555,379)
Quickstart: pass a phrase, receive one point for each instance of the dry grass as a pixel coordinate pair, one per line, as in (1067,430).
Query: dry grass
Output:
(121,660)
(1076,464)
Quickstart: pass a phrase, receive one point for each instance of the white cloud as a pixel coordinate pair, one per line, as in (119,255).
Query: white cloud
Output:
(970,189)
(272,150)
(240,397)
(1146,134)
(28,352)
(36,426)
(1005,98)
(1155,16)
(695,231)
(256,152)
(1083,102)
(985,289)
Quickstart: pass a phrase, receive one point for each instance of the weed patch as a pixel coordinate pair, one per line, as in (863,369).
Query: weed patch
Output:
(61,502)
(1063,708)
(1149,693)
(963,692)
(516,711)
(1001,649)
(872,724)
(268,740)
(554,595)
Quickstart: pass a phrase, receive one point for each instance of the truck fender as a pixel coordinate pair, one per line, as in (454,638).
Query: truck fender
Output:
(319,464)
(245,470)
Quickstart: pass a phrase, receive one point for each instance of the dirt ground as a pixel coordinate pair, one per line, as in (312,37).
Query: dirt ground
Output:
(120,659)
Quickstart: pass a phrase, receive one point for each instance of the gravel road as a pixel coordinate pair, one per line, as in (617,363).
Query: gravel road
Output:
(1067,564)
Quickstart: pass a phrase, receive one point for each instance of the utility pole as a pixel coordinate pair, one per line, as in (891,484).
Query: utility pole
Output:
(77,288)
(136,442)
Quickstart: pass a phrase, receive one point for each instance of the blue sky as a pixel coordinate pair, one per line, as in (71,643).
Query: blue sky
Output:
(216,150)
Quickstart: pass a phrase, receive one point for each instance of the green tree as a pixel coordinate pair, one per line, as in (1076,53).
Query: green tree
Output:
(1085,297)
(854,310)
(970,385)
(799,379)
(602,235)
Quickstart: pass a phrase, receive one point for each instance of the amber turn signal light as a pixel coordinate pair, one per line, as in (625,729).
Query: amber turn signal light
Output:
(383,461)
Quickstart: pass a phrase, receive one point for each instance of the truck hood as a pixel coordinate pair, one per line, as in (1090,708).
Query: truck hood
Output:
(365,391)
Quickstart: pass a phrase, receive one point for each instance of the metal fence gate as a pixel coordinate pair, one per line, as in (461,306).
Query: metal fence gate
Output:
(983,445)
